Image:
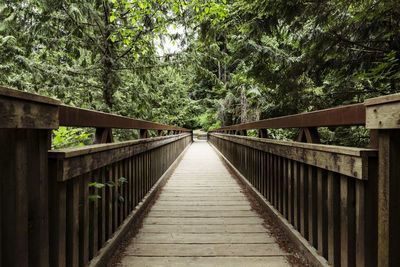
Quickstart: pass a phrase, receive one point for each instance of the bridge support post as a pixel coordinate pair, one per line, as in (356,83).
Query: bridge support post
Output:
(143,133)
(103,135)
(309,135)
(262,133)
(383,117)
(25,122)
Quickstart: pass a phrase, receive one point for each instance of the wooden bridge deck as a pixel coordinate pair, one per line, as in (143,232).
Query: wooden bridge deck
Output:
(202,219)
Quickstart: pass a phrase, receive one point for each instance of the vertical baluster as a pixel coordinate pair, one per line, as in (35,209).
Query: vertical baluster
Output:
(84,220)
(57,217)
(303,200)
(93,214)
(290,192)
(333,201)
(102,208)
(312,206)
(322,214)
(285,188)
(73,222)
(115,197)
(296,198)
(347,222)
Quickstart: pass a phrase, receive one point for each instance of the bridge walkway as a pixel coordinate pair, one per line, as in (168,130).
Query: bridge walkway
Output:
(202,218)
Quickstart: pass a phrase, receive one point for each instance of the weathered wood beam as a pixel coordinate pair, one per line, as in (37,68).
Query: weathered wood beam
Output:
(383,115)
(344,160)
(103,135)
(25,122)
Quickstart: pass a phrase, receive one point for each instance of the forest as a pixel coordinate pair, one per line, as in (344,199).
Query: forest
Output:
(233,62)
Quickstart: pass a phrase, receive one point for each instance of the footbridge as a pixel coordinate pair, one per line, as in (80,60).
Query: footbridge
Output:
(169,199)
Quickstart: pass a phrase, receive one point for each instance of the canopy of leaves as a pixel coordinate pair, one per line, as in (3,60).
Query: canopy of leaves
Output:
(239,61)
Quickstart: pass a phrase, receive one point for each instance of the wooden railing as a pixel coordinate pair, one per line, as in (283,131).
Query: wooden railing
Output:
(343,201)
(60,207)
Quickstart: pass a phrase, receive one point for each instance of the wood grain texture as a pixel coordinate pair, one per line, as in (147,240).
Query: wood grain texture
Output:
(201,216)
(351,162)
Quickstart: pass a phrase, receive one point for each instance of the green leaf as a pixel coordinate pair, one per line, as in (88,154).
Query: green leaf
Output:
(110,184)
(122,180)
(112,18)
(97,185)
(94,197)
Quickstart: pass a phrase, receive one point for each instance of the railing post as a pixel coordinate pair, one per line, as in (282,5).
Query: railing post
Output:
(383,115)
(103,135)
(25,121)
(309,135)
(143,133)
(262,133)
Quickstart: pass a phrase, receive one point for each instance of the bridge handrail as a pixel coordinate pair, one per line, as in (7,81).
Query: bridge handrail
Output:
(350,222)
(63,207)
(65,115)
(81,117)
(339,116)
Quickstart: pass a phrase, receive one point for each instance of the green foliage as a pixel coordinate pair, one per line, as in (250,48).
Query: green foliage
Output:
(120,182)
(65,137)
(241,60)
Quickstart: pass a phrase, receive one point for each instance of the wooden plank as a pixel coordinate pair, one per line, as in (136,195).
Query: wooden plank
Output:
(195,203)
(303,205)
(80,117)
(274,180)
(72,233)
(77,161)
(57,218)
(271,261)
(214,219)
(290,192)
(263,173)
(383,112)
(333,202)
(202,214)
(29,97)
(103,206)
(347,224)
(348,161)
(109,202)
(125,186)
(162,207)
(247,221)
(285,188)
(120,188)
(338,116)
(14,209)
(382,100)
(130,183)
(296,197)
(184,198)
(203,238)
(15,113)
(84,220)
(360,224)
(388,198)
(322,214)
(204,250)
(38,198)
(312,206)
(94,214)
(115,213)
(280,184)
